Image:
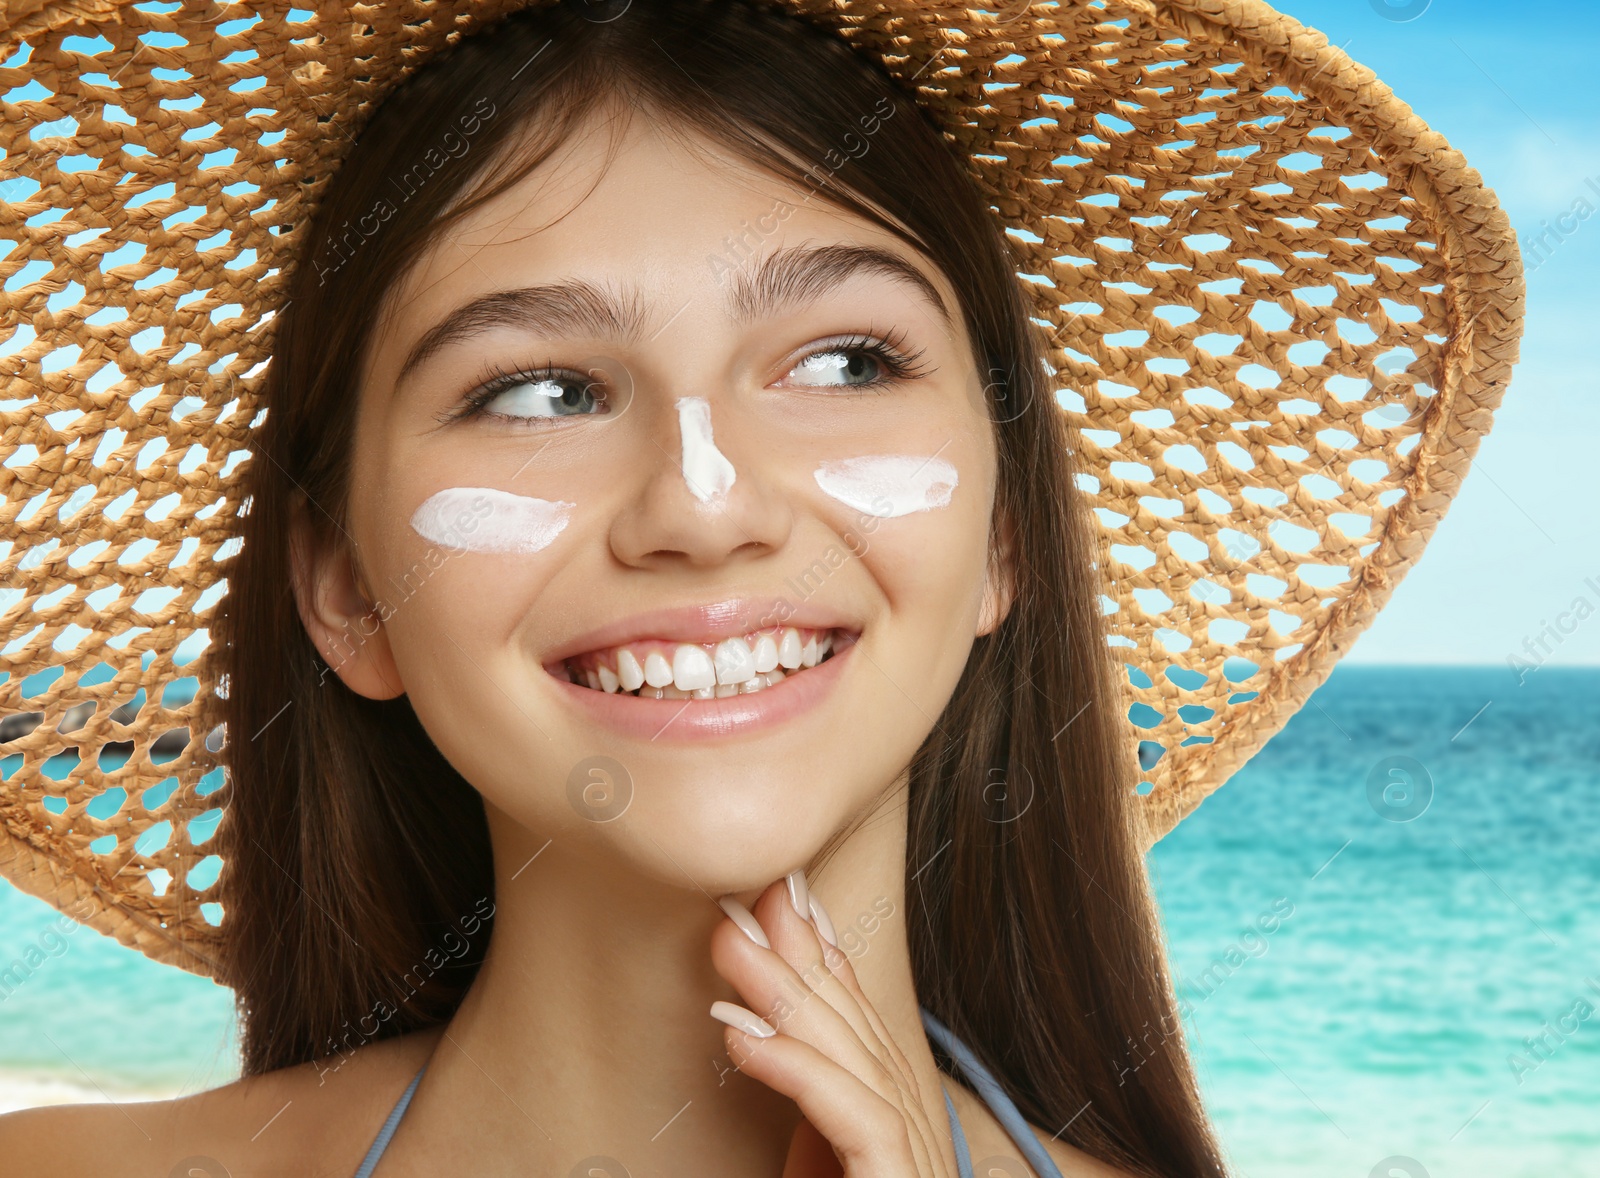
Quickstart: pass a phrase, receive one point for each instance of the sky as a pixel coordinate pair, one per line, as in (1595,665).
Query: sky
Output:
(1517,557)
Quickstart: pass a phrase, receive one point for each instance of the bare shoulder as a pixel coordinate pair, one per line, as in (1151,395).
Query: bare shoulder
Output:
(988,1141)
(313,1120)
(1074,1163)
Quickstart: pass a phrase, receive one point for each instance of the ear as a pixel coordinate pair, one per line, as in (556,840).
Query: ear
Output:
(343,624)
(1000,580)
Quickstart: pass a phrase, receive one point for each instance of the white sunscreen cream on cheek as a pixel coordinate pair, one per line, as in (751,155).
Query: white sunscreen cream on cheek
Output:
(483,519)
(889,485)
(705,468)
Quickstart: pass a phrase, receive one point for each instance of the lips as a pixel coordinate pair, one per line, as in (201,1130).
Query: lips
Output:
(707,671)
(686,722)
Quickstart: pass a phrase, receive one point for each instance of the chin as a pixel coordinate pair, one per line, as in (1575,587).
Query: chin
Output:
(725,827)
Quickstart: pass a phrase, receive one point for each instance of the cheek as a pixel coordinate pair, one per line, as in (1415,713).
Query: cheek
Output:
(928,567)
(921,514)
(484,519)
(888,486)
(921,526)
(461,568)
(456,632)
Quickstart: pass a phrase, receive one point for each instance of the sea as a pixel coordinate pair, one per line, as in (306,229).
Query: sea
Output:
(1384,931)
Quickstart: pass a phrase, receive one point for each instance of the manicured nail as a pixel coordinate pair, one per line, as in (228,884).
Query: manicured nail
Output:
(745,919)
(799,894)
(819,916)
(741,1019)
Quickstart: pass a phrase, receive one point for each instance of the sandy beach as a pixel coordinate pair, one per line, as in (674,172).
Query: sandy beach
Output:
(20,1090)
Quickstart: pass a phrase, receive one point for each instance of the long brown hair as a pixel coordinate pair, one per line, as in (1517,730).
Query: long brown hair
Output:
(358,878)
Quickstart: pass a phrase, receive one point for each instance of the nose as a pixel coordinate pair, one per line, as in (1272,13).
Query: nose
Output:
(705,498)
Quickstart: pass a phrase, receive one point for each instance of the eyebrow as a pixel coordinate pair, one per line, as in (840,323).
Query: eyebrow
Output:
(784,278)
(801,274)
(573,307)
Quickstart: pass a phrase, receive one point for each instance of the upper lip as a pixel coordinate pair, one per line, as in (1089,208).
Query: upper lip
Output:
(706,623)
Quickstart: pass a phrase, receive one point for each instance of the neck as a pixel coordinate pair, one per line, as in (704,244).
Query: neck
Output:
(589,1016)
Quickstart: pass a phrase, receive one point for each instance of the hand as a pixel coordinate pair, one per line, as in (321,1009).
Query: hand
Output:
(828,1050)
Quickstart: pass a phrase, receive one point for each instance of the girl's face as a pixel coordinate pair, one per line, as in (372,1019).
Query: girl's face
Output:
(728,413)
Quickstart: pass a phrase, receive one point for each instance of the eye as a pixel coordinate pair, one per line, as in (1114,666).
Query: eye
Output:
(540,393)
(846,366)
(856,362)
(551,396)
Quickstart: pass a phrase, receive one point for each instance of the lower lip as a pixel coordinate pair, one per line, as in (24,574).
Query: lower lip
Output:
(680,720)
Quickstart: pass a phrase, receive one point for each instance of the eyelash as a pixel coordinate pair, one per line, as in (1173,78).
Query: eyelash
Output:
(889,352)
(494,380)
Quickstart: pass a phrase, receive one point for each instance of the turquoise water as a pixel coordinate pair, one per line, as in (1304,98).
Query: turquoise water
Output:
(93,1013)
(1386,1015)
(1360,988)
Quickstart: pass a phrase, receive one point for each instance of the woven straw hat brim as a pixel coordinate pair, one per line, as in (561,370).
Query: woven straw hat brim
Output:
(1282,310)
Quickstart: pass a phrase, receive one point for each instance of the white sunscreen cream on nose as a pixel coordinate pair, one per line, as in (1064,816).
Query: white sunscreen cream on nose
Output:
(889,485)
(483,519)
(707,471)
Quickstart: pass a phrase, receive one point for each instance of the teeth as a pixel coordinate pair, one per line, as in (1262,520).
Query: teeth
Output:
(692,669)
(734,666)
(766,654)
(629,672)
(657,671)
(735,661)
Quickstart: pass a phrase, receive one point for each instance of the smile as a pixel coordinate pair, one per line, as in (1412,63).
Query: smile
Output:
(739,665)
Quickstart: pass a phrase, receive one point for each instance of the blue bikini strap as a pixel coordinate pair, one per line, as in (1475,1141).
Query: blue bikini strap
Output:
(1001,1105)
(963,1154)
(381,1142)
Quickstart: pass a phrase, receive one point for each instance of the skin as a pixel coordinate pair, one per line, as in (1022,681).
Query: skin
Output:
(587,1032)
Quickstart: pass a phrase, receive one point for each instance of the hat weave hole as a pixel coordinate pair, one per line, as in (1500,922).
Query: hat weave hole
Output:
(143,228)
(1247,321)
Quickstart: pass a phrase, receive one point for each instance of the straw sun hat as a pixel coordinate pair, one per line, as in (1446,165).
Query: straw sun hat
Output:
(1281,311)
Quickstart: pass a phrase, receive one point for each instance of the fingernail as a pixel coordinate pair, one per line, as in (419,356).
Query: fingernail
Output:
(742,916)
(741,1019)
(799,894)
(819,916)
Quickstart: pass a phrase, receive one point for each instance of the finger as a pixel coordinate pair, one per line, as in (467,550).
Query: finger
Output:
(933,1125)
(827,970)
(770,986)
(867,1133)
(839,965)
(797,941)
